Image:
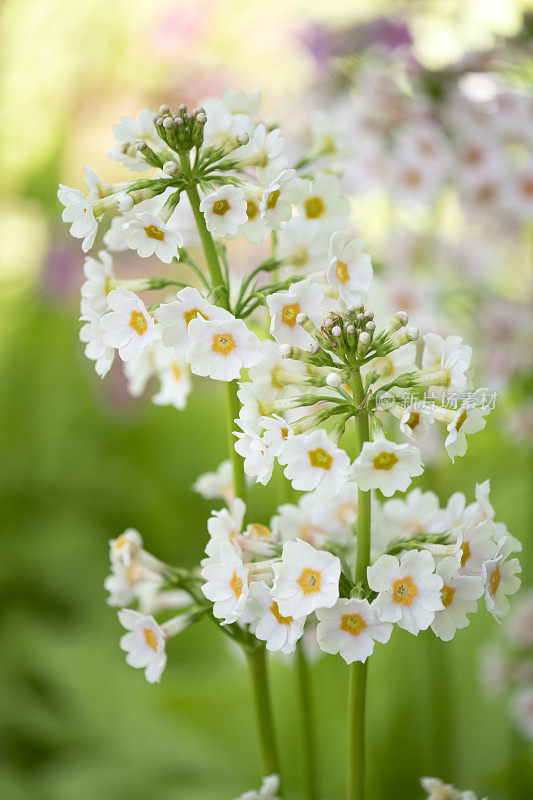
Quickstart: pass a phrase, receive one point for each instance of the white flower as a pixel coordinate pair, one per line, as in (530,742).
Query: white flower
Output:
(459,594)
(124,584)
(126,133)
(254,229)
(350,629)
(242,102)
(303,245)
(417,513)
(386,466)
(144,643)
(298,522)
(278,198)
(267,149)
(306,579)
(226,585)
(139,370)
(477,546)
(128,326)
(251,396)
(92,334)
(174,377)
(395,363)
(224,210)
(329,140)
(265,372)
(451,355)
(350,270)
(408,590)
(79,212)
(303,297)
(313,461)
(224,528)
(279,632)
(223,124)
(322,202)
(217,484)
(437,790)
(125,548)
(99,280)
(416,420)
(276,433)
(268,791)
(149,235)
(500,578)
(335,516)
(174,318)
(257,454)
(221,348)
(468,419)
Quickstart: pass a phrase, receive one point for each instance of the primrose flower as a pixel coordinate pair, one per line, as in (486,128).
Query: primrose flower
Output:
(267,150)
(303,297)
(417,512)
(254,229)
(220,348)
(127,132)
(303,245)
(467,420)
(149,235)
(99,280)
(305,579)
(477,546)
(386,466)
(217,484)
(500,578)
(226,585)
(268,791)
(459,594)
(451,355)
(409,592)
(174,317)
(92,334)
(128,326)
(144,643)
(78,211)
(125,548)
(257,454)
(175,380)
(334,516)
(350,270)
(278,198)
(314,462)
(350,628)
(438,790)
(224,210)
(298,522)
(279,632)
(416,420)
(323,203)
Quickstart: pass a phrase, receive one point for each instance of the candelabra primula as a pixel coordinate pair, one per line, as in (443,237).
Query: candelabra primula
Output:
(314,398)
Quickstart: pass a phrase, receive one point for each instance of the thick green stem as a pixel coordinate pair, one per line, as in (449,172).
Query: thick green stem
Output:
(263,708)
(358,671)
(308,725)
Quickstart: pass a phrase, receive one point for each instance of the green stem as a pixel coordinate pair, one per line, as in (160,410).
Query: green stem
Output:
(233,408)
(263,708)
(308,725)
(358,671)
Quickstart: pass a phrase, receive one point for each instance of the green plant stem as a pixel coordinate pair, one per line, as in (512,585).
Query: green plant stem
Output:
(307,713)
(355,789)
(256,656)
(263,708)
(440,734)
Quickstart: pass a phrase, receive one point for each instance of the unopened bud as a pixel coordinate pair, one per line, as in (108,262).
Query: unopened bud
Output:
(328,323)
(140,145)
(301,318)
(334,380)
(170,168)
(124,202)
(164,109)
(402,317)
(313,348)
(412,334)
(369,315)
(182,107)
(336,331)
(168,123)
(201,118)
(364,339)
(350,330)
(243,137)
(370,327)
(285,351)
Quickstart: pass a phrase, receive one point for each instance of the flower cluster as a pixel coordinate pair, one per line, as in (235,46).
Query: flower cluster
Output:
(438,790)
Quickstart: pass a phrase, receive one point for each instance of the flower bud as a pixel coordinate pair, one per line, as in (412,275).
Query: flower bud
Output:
(284,351)
(124,202)
(334,380)
(170,168)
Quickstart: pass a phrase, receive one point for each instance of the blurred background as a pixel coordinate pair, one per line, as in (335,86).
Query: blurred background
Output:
(81,460)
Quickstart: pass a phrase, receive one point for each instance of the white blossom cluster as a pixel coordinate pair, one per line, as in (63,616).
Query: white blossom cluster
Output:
(438,790)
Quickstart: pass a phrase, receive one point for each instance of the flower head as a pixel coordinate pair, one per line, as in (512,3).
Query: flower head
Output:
(459,594)
(350,270)
(314,462)
(224,210)
(144,643)
(128,326)
(306,579)
(149,235)
(174,318)
(386,466)
(220,348)
(303,297)
(226,584)
(279,632)
(350,628)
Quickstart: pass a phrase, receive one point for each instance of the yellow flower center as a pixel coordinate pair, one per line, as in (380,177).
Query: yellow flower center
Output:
(314,207)
(220,207)
(153,232)
(346,513)
(236,585)
(138,322)
(465,553)
(495,579)
(413,421)
(447,593)
(252,209)
(404,591)
(460,421)
(272,200)
(120,542)
(284,433)
(385,461)
(282,620)
(223,343)
(150,638)
(353,624)
(309,581)
(191,314)
(176,371)
(289,314)
(320,458)
(258,530)
(342,272)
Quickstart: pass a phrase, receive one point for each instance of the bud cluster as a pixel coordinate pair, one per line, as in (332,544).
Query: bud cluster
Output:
(181,131)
